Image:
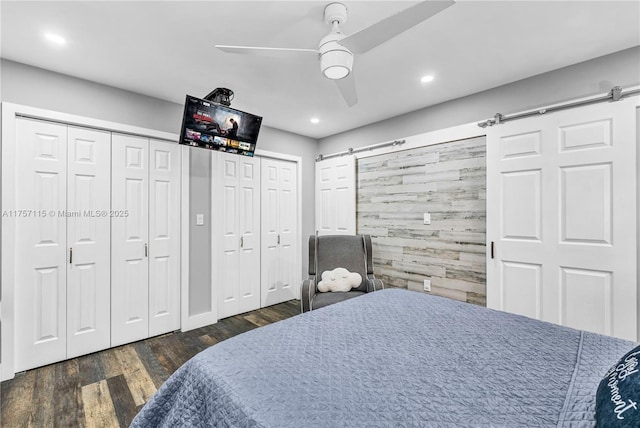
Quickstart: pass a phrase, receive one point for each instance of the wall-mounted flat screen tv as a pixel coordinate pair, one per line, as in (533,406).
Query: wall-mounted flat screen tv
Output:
(218,127)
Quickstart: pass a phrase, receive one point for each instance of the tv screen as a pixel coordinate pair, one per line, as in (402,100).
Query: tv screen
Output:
(217,127)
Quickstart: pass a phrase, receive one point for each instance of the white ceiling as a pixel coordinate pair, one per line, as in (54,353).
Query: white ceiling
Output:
(165,49)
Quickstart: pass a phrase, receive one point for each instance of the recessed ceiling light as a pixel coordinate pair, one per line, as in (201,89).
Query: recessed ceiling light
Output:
(426,79)
(54,38)
(314,120)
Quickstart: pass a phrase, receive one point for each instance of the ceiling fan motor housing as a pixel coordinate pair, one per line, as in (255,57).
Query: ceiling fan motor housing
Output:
(336,61)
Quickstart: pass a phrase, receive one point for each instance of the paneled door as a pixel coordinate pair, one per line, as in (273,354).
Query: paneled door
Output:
(88,239)
(129,239)
(336,196)
(236,217)
(561,218)
(280,277)
(164,235)
(41,243)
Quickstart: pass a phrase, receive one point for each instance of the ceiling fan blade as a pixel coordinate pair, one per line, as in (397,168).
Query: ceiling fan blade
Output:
(347,88)
(255,50)
(378,33)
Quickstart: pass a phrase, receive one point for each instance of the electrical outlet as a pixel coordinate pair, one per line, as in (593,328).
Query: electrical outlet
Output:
(427,285)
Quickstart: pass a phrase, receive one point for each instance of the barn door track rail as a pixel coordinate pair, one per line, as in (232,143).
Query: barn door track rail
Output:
(615,94)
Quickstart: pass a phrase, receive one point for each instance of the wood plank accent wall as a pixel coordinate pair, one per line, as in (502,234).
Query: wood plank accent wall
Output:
(447,180)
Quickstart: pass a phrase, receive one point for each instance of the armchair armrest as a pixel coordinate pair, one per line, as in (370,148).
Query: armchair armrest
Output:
(374,284)
(308,292)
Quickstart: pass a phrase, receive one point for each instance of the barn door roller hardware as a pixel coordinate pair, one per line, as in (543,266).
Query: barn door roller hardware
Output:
(351,150)
(615,94)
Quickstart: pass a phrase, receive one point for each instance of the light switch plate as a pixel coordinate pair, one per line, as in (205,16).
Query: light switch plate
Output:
(199,219)
(427,218)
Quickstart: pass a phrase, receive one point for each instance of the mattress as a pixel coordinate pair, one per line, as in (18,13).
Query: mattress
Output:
(392,358)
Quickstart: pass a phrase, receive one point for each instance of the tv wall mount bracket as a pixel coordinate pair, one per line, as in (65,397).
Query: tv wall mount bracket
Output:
(220,96)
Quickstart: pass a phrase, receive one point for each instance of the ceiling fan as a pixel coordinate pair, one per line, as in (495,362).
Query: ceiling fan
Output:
(336,50)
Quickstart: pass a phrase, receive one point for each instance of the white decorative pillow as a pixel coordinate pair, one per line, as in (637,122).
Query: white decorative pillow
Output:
(339,279)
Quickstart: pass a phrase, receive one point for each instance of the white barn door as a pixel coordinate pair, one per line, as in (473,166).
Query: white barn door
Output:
(336,196)
(236,214)
(88,238)
(561,218)
(41,244)
(279,252)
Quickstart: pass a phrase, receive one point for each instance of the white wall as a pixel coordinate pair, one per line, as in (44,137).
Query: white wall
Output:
(31,86)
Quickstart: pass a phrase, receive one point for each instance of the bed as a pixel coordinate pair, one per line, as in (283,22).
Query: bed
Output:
(393,358)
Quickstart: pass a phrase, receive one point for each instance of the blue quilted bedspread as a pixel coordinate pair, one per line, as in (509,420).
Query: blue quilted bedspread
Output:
(393,358)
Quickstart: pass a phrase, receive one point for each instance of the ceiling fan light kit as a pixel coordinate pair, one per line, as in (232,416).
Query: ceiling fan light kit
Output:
(336,64)
(336,61)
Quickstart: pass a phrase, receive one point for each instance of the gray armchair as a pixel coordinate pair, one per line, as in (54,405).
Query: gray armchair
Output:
(329,252)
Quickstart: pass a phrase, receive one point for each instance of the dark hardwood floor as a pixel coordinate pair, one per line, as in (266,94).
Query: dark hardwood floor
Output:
(108,388)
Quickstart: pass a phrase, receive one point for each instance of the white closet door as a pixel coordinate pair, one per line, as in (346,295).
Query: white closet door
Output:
(164,236)
(279,250)
(336,196)
(561,210)
(129,239)
(88,237)
(237,214)
(41,250)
